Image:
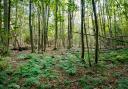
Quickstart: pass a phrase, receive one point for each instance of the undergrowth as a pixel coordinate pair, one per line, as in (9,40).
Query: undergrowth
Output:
(44,71)
(120,56)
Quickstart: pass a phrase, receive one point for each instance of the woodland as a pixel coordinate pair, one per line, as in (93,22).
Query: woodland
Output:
(63,44)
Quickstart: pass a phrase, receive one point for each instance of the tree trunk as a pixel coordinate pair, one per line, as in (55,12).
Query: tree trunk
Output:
(1,23)
(6,26)
(96,32)
(56,25)
(9,18)
(82,29)
(69,25)
(30,26)
(39,36)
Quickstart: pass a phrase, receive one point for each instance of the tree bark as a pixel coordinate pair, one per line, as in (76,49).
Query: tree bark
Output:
(82,29)
(30,25)
(96,32)
(6,26)
(56,24)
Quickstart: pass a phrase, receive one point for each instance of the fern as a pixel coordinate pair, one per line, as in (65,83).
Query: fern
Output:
(50,74)
(13,86)
(3,65)
(68,67)
(122,84)
(32,81)
(44,86)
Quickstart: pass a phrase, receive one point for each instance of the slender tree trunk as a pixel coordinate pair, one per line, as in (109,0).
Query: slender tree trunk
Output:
(9,18)
(115,27)
(69,25)
(104,23)
(82,28)
(103,19)
(96,32)
(87,43)
(1,22)
(39,31)
(16,19)
(43,26)
(63,38)
(109,18)
(6,26)
(56,25)
(47,10)
(30,26)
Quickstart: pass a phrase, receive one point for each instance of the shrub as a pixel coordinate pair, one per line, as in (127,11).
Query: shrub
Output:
(69,67)
(13,86)
(32,81)
(89,82)
(28,70)
(117,74)
(3,77)
(3,65)
(116,56)
(50,74)
(122,83)
(44,86)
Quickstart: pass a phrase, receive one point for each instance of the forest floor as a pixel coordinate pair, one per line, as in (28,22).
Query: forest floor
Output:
(63,69)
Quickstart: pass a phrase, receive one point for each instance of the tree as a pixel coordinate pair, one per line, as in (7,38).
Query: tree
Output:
(87,42)
(6,30)
(39,28)
(56,23)
(96,32)
(82,28)
(1,18)
(9,19)
(30,26)
(70,17)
